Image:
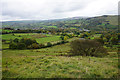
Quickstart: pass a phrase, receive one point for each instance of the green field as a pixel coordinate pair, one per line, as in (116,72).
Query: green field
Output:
(72,28)
(48,39)
(51,26)
(95,36)
(40,38)
(45,63)
(48,62)
(19,35)
(6,30)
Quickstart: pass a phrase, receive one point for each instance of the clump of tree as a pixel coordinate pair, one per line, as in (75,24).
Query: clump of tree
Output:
(85,35)
(87,48)
(24,43)
(110,39)
(65,36)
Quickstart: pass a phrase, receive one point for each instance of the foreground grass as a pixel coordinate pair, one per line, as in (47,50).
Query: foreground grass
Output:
(60,66)
(43,63)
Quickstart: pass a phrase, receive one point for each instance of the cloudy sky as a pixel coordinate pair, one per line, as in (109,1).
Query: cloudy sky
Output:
(56,9)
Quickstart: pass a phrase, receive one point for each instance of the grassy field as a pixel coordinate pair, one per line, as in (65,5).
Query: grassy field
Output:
(51,26)
(48,39)
(95,36)
(40,38)
(72,28)
(46,63)
(6,30)
(22,35)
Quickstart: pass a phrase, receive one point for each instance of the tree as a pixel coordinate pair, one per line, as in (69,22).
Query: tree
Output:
(65,37)
(87,48)
(16,40)
(62,37)
(28,41)
(21,46)
(13,46)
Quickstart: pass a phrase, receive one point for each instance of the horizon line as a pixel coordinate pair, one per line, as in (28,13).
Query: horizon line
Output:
(55,18)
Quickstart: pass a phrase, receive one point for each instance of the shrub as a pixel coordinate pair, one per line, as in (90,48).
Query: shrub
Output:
(29,42)
(16,40)
(21,46)
(87,48)
(13,46)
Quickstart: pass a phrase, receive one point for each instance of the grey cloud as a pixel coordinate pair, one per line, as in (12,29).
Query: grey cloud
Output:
(71,6)
(61,9)
(52,9)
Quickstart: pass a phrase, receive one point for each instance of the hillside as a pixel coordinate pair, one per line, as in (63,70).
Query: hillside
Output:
(105,22)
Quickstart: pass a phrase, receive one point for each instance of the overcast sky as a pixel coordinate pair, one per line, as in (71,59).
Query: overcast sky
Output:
(56,9)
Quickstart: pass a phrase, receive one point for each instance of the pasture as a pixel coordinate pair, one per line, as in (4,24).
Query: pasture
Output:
(40,38)
(48,62)
(48,39)
(51,26)
(95,36)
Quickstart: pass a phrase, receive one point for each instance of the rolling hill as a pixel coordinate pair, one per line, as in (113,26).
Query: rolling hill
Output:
(105,22)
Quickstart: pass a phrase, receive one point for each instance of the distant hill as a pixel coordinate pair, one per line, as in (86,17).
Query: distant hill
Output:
(108,22)
(105,22)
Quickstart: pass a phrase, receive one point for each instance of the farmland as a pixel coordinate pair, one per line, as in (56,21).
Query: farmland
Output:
(41,38)
(48,62)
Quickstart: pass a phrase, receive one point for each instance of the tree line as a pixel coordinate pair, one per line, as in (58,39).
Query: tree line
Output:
(27,43)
